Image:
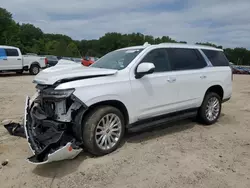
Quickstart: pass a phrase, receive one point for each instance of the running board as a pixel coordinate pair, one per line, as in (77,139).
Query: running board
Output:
(149,123)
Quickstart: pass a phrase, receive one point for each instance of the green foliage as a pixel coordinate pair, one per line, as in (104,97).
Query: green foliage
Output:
(31,39)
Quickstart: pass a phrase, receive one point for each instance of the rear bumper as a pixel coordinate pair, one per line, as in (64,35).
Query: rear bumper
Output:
(59,147)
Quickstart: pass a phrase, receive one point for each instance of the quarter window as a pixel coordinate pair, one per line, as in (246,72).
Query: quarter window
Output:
(11,52)
(159,58)
(217,58)
(185,59)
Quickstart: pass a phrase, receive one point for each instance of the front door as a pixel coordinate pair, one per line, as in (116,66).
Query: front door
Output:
(14,59)
(155,94)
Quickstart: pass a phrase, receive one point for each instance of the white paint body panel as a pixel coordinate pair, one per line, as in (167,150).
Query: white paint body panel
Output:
(152,95)
(61,154)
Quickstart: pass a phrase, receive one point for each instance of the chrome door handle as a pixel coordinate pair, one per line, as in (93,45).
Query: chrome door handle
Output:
(203,76)
(171,80)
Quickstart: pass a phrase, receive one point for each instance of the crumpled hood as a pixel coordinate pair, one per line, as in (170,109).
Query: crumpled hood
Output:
(51,75)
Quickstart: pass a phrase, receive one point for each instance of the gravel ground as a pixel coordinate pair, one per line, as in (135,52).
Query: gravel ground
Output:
(183,154)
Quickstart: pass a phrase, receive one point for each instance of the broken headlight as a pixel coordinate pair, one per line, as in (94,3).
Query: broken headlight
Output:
(51,92)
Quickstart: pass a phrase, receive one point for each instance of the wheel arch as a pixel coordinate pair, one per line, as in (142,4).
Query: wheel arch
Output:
(35,63)
(115,103)
(218,89)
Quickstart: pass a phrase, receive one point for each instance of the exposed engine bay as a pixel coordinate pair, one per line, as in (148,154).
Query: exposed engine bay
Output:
(53,124)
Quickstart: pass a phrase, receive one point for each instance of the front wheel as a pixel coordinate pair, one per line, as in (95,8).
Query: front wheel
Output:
(103,130)
(210,109)
(34,69)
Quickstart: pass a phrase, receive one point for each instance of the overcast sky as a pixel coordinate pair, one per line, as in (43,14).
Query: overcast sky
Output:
(223,22)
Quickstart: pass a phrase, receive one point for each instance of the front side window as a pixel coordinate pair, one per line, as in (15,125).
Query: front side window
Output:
(217,58)
(117,59)
(159,58)
(185,59)
(11,52)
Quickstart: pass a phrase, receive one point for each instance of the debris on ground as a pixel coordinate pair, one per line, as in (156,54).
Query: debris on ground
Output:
(15,129)
(4,163)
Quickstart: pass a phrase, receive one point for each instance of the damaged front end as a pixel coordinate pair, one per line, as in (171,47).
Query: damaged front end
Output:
(53,124)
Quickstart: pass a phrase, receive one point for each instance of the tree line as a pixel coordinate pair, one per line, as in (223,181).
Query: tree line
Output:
(31,39)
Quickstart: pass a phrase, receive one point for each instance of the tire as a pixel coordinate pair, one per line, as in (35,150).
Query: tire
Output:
(19,72)
(34,69)
(91,130)
(203,114)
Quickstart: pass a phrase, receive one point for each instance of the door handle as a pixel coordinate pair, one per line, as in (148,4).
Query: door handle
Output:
(19,59)
(203,76)
(171,80)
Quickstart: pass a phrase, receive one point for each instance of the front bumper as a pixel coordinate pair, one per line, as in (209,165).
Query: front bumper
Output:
(55,150)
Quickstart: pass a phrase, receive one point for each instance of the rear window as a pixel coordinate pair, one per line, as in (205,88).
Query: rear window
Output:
(217,58)
(11,52)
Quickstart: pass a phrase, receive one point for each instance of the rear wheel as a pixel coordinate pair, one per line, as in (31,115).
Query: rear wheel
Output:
(103,130)
(34,69)
(210,109)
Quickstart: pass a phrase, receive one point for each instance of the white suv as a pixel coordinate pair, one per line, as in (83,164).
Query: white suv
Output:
(131,88)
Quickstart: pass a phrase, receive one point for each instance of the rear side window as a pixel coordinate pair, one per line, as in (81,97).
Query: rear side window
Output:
(2,54)
(159,58)
(217,58)
(185,59)
(11,52)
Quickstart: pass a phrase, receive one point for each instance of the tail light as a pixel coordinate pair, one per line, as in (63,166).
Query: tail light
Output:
(46,61)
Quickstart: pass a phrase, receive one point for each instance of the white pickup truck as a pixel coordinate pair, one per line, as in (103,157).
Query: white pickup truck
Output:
(12,60)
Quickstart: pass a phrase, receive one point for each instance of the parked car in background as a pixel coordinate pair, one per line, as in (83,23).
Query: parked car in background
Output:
(236,70)
(240,70)
(87,61)
(67,58)
(51,60)
(77,60)
(244,70)
(12,60)
(31,54)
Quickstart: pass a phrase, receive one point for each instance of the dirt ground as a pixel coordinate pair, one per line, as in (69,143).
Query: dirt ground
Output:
(183,154)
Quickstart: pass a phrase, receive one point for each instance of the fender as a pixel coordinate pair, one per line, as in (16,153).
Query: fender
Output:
(215,83)
(103,98)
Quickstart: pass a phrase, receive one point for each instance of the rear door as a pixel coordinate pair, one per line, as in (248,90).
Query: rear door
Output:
(14,59)
(3,60)
(221,71)
(188,65)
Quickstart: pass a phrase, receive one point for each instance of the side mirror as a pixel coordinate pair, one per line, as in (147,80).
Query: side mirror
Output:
(143,69)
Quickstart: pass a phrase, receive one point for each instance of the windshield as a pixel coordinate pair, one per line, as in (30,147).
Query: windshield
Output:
(117,59)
